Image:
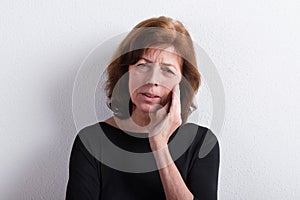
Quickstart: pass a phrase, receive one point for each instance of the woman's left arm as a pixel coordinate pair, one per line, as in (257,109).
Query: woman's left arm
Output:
(202,180)
(174,186)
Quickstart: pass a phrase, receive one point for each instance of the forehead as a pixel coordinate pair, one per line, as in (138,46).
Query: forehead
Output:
(166,55)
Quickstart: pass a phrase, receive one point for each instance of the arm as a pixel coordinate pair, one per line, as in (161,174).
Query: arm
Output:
(202,180)
(83,183)
(173,184)
(202,177)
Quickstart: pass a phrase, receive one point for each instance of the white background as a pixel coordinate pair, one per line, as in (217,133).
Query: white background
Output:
(254,45)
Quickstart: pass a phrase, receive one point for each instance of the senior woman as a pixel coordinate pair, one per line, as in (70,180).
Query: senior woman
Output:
(151,85)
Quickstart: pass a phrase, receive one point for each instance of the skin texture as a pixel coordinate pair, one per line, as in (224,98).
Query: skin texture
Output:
(155,74)
(154,90)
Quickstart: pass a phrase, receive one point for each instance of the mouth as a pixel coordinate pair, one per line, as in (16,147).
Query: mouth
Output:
(149,95)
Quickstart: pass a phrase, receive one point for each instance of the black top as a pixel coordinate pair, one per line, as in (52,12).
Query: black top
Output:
(99,168)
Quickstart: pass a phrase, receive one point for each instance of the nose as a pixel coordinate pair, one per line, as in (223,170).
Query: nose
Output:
(154,77)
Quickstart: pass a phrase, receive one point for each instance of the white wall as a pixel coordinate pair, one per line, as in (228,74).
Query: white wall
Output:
(254,45)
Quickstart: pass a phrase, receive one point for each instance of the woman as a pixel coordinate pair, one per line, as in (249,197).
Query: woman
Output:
(152,81)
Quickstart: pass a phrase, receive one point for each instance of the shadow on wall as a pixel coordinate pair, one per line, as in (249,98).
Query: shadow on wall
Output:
(45,175)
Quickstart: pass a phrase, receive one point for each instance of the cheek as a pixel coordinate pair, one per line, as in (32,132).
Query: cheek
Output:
(167,90)
(166,95)
(170,84)
(135,81)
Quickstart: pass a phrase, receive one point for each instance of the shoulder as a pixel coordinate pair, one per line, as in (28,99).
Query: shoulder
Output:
(199,131)
(89,133)
(205,141)
(89,138)
(89,129)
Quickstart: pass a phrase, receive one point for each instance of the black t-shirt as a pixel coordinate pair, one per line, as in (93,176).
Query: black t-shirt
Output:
(99,168)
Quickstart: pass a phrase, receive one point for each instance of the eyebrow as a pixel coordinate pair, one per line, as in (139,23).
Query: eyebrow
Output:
(150,61)
(147,60)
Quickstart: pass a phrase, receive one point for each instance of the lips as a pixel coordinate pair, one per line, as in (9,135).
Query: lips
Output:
(150,95)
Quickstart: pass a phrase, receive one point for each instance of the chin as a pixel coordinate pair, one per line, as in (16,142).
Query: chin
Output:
(148,108)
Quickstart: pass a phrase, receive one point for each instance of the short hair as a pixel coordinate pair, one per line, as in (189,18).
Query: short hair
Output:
(161,32)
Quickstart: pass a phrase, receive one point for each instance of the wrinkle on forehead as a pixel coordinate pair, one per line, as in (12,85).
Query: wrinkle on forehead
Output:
(153,54)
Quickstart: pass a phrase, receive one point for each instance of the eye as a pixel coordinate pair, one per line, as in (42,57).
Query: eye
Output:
(168,70)
(143,67)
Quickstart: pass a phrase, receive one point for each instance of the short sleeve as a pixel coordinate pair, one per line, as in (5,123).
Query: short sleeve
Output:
(83,183)
(203,176)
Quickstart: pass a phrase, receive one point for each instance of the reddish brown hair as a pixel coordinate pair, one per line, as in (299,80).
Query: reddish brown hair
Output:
(161,32)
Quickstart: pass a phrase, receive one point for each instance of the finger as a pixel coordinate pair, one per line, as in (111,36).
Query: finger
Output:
(162,111)
(176,90)
(159,113)
(176,106)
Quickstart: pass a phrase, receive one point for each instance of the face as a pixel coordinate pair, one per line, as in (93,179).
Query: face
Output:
(153,77)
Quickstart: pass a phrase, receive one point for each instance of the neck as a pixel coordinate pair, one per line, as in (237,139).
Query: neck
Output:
(138,122)
(140,119)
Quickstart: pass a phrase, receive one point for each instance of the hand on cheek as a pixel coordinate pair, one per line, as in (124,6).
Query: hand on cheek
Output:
(166,122)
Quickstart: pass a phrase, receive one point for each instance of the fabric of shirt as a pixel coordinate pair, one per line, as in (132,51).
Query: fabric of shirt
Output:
(194,149)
